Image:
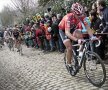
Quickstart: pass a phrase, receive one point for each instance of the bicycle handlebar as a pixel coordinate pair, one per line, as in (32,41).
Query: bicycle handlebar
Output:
(99,42)
(97,45)
(96,33)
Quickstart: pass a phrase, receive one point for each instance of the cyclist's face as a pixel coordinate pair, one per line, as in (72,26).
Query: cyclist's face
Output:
(76,16)
(80,16)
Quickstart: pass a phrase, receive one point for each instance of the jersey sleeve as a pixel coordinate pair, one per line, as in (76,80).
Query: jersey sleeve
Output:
(79,26)
(67,24)
(85,23)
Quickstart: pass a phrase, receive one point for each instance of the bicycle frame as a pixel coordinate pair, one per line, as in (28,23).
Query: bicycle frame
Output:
(85,50)
(89,55)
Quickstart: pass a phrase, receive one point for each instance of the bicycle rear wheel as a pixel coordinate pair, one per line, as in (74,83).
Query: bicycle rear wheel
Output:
(10,44)
(20,50)
(94,69)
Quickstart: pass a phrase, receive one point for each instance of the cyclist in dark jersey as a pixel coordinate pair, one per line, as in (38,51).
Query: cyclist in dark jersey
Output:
(16,33)
(17,37)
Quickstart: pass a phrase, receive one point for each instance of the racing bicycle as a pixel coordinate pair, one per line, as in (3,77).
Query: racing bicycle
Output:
(93,66)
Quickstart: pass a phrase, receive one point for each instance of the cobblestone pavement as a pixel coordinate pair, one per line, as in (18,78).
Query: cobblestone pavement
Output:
(38,71)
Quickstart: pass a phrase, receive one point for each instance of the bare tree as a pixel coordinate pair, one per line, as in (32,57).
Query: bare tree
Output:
(7,17)
(25,6)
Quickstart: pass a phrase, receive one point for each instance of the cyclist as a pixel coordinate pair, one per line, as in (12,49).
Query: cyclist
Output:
(68,32)
(6,36)
(17,37)
(1,36)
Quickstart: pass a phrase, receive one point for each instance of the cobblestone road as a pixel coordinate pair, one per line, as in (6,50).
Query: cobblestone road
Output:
(38,71)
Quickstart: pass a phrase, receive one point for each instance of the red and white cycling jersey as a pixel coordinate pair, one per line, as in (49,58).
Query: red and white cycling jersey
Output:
(70,21)
(67,21)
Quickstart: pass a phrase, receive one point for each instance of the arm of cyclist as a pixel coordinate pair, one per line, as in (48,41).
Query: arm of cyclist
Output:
(90,31)
(67,31)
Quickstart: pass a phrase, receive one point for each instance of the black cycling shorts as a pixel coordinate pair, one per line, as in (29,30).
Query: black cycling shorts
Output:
(62,35)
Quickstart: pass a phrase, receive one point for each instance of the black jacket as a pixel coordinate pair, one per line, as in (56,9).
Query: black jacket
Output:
(95,24)
(105,20)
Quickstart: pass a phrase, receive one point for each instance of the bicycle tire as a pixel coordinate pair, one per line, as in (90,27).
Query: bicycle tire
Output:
(20,50)
(74,61)
(102,81)
(10,44)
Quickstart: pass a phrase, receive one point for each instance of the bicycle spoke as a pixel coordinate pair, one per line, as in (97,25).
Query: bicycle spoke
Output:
(94,69)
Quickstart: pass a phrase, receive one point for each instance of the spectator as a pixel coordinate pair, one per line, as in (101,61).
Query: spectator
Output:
(94,7)
(43,28)
(48,34)
(101,5)
(86,11)
(55,32)
(62,47)
(27,34)
(103,9)
(39,38)
(95,25)
(95,21)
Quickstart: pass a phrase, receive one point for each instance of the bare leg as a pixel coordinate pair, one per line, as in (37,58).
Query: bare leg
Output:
(68,46)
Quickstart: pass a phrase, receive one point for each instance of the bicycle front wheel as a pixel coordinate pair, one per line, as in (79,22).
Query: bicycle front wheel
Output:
(94,69)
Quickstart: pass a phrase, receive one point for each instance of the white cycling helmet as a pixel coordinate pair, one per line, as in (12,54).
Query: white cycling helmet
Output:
(77,8)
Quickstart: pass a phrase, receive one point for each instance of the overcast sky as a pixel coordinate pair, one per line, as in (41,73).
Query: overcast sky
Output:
(4,3)
(7,2)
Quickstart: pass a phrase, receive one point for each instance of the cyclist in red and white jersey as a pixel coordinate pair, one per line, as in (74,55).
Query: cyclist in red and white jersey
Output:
(67,29)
